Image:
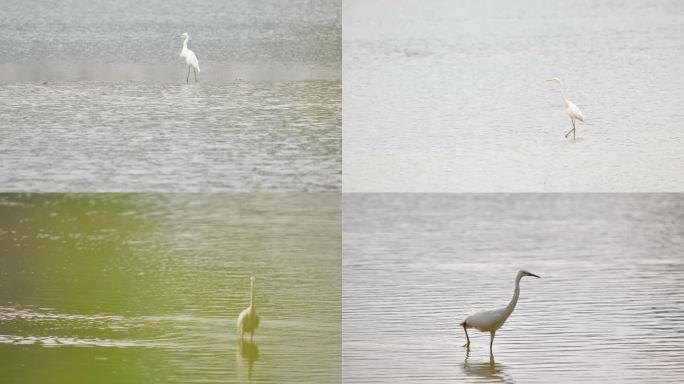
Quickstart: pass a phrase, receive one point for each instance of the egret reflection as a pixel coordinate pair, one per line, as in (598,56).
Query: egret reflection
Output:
(489,370)
(247,353)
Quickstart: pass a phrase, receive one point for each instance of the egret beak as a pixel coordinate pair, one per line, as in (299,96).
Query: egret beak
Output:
(549,80)
(532,274)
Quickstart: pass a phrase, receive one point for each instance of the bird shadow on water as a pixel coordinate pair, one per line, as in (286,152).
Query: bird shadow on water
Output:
(248,353)
(490,370)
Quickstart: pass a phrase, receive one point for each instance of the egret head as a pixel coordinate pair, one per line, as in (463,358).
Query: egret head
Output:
(252,279)
(556,80)
(184,34)
(523,273)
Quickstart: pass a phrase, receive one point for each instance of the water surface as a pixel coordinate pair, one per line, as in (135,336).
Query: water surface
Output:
(93,96)
(105,40)
(154,136)
(608,306)
(451,97)
(147,287)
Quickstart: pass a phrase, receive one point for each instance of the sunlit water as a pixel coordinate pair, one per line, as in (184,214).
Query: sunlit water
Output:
(452,97)
(93,96)
(608,306)
(147,288)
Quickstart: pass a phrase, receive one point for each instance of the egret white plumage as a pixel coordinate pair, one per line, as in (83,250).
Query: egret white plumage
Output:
(248,321)
(491,321)
(570,108)
(190,58)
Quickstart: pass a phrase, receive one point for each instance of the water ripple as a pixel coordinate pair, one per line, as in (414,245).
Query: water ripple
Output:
(608,306)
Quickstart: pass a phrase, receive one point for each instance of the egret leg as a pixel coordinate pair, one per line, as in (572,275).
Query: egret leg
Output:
(572,130)
(491,341)
(195,72)
(467,344)
(188,77)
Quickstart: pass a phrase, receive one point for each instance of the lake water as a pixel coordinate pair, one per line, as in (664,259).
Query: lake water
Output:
(118,288)
(132,136)
(451,97)
(608,306)
(93,96)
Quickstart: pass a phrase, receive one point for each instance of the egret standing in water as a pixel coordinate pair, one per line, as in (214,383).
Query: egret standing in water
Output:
(570,108)
(248,321)
(190,58)
(491,321)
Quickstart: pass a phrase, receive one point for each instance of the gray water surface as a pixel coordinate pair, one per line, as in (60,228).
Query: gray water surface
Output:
(608,306)
(131,136)
(93,96)
(446,96)
(120,40)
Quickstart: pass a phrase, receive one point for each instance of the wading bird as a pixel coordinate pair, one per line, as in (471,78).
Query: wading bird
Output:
(248,321)
(570,108)
(490,321)
(190,58)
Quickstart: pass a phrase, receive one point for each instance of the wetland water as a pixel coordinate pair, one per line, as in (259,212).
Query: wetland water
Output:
(608,306)
(93,96)
(451,97)
(118,288)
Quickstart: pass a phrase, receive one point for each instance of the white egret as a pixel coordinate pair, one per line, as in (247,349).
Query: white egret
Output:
(190,58)
(491,321)
(570,108)
(248,321)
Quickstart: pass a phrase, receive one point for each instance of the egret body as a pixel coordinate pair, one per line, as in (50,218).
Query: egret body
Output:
(491,321)
(190,58)
(248,321)
(570,108)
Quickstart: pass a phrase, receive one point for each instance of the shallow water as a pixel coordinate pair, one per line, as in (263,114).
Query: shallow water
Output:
(131,136)
(452,97)
(93,96)
(105,40)
(608,306)
(147,287)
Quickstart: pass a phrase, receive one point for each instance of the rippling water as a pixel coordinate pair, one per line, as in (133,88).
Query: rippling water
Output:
(451,97)
(110,40)
(147,287)
(608,307)
(93,96)
(264,136)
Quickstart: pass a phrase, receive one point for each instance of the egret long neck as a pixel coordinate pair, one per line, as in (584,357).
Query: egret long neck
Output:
(511,306)
(185,43)
(251,295)
(565,100)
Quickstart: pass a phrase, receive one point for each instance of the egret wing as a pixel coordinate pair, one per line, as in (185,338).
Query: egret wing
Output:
(574,111)
(484,320)
(241,318)
(192,59)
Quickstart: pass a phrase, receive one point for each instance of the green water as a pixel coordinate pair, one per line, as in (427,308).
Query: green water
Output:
(113,288)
